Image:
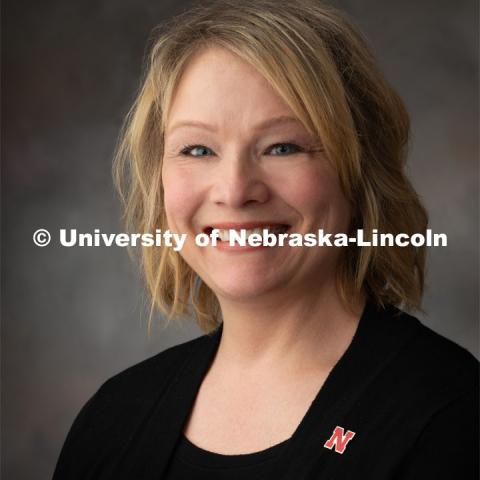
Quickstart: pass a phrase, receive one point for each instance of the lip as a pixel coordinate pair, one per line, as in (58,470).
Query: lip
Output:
(241,225)
(226,247)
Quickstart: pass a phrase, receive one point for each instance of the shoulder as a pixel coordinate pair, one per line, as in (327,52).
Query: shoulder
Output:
(434,396)
(427,371)
(112,415)
(142,383)
(435,359)
(151,375)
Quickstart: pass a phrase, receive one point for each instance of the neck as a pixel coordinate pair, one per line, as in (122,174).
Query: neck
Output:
(307,331)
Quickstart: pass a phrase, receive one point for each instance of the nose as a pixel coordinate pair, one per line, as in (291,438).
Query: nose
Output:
(239,181)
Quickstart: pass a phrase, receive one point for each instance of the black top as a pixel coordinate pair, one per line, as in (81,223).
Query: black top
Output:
(400,404)
(192,462)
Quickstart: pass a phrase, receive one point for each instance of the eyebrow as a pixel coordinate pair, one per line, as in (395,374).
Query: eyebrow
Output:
(269,123)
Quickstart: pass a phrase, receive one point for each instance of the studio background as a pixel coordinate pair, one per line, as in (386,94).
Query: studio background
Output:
(73,317)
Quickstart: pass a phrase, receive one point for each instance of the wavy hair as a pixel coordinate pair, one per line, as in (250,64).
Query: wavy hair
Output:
(322,67)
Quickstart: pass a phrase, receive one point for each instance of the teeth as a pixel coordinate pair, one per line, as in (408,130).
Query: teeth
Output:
(224,235)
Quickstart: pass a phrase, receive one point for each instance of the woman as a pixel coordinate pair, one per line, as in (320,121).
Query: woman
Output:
(273,115)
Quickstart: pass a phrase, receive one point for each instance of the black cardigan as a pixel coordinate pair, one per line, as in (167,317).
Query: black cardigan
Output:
(409,396)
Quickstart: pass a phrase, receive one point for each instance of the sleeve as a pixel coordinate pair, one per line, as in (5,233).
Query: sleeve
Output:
(448,447)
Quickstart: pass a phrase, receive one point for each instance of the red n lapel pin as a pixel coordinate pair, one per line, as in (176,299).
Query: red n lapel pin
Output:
(339,439)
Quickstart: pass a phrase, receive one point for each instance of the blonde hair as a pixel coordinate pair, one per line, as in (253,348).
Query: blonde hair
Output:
(321,66)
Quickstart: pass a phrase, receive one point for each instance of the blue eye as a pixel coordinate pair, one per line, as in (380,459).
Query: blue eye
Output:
(286,148)
(188,149)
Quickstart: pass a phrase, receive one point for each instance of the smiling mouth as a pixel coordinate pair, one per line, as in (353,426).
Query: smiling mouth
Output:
(225,233)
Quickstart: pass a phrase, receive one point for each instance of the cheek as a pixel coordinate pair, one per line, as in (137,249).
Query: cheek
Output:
(179,197)
(313,188)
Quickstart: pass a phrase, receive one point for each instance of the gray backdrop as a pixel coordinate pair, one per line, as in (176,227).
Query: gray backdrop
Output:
(71,318)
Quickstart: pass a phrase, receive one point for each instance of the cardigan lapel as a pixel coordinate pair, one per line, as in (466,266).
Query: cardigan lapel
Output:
(158,435)
(376,341)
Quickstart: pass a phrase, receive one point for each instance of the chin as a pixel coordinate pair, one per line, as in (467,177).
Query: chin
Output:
(239,294)
(244,285)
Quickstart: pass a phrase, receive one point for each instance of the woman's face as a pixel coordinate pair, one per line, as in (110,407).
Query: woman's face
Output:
(249,163)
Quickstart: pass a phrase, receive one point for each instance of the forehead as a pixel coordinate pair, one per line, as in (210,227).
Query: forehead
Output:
(219,87)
